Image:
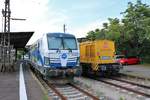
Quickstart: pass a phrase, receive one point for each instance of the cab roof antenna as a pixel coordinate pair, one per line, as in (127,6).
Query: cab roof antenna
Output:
(64,28)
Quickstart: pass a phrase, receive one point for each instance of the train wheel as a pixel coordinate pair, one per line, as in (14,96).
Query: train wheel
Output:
(84,69)
(107,74)
(90,70)
(115,73)
(101,74)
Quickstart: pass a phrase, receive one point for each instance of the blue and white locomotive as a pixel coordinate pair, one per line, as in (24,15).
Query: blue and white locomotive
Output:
(56,55)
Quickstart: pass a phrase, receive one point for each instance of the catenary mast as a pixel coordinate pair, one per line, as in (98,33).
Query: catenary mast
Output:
(5,39)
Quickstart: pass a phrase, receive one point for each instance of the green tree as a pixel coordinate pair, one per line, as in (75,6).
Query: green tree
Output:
(131,34)
(114,29)
(137,26)
(91,35)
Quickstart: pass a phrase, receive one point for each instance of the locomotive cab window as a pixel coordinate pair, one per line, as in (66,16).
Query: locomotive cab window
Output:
(55,43)
(70,43)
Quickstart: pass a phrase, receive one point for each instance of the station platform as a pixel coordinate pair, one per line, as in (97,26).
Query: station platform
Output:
(11,87)
(137,70)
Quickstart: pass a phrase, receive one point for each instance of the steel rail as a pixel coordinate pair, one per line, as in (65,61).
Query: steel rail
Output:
(51,86)
(138,77)
(56,91)
(116,85)
(85,92)
(129,82)
(129,89)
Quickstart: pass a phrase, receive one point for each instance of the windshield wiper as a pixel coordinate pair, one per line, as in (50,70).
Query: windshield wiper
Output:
(58,51)
(70,50)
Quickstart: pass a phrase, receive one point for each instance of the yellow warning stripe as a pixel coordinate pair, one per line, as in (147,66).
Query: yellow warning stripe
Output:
(95,66)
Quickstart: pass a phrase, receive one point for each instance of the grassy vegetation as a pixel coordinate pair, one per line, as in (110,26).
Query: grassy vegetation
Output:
(146,64)
(122,98)
(45,97)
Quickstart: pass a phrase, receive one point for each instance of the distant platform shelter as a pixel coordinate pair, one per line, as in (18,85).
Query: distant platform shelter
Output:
(19,39)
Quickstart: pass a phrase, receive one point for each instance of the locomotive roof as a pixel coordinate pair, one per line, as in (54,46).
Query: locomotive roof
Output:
(60,35)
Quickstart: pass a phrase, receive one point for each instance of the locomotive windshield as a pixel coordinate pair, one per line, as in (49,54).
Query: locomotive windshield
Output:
(67,43)
(54,43)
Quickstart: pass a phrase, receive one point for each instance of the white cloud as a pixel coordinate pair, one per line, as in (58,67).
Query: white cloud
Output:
(42,17)
(39,16)
(82,31)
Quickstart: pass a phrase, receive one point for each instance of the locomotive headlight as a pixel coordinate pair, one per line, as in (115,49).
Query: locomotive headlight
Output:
(46,61)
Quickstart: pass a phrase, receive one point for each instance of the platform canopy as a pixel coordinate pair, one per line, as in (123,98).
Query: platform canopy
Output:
(19,39)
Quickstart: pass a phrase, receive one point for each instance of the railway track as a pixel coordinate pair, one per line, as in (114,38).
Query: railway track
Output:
(65,91)
(132,86)
(70,92)
(136,88)
(131,82)
(135,77)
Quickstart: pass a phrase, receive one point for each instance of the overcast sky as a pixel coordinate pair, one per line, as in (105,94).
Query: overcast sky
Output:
(80,16)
